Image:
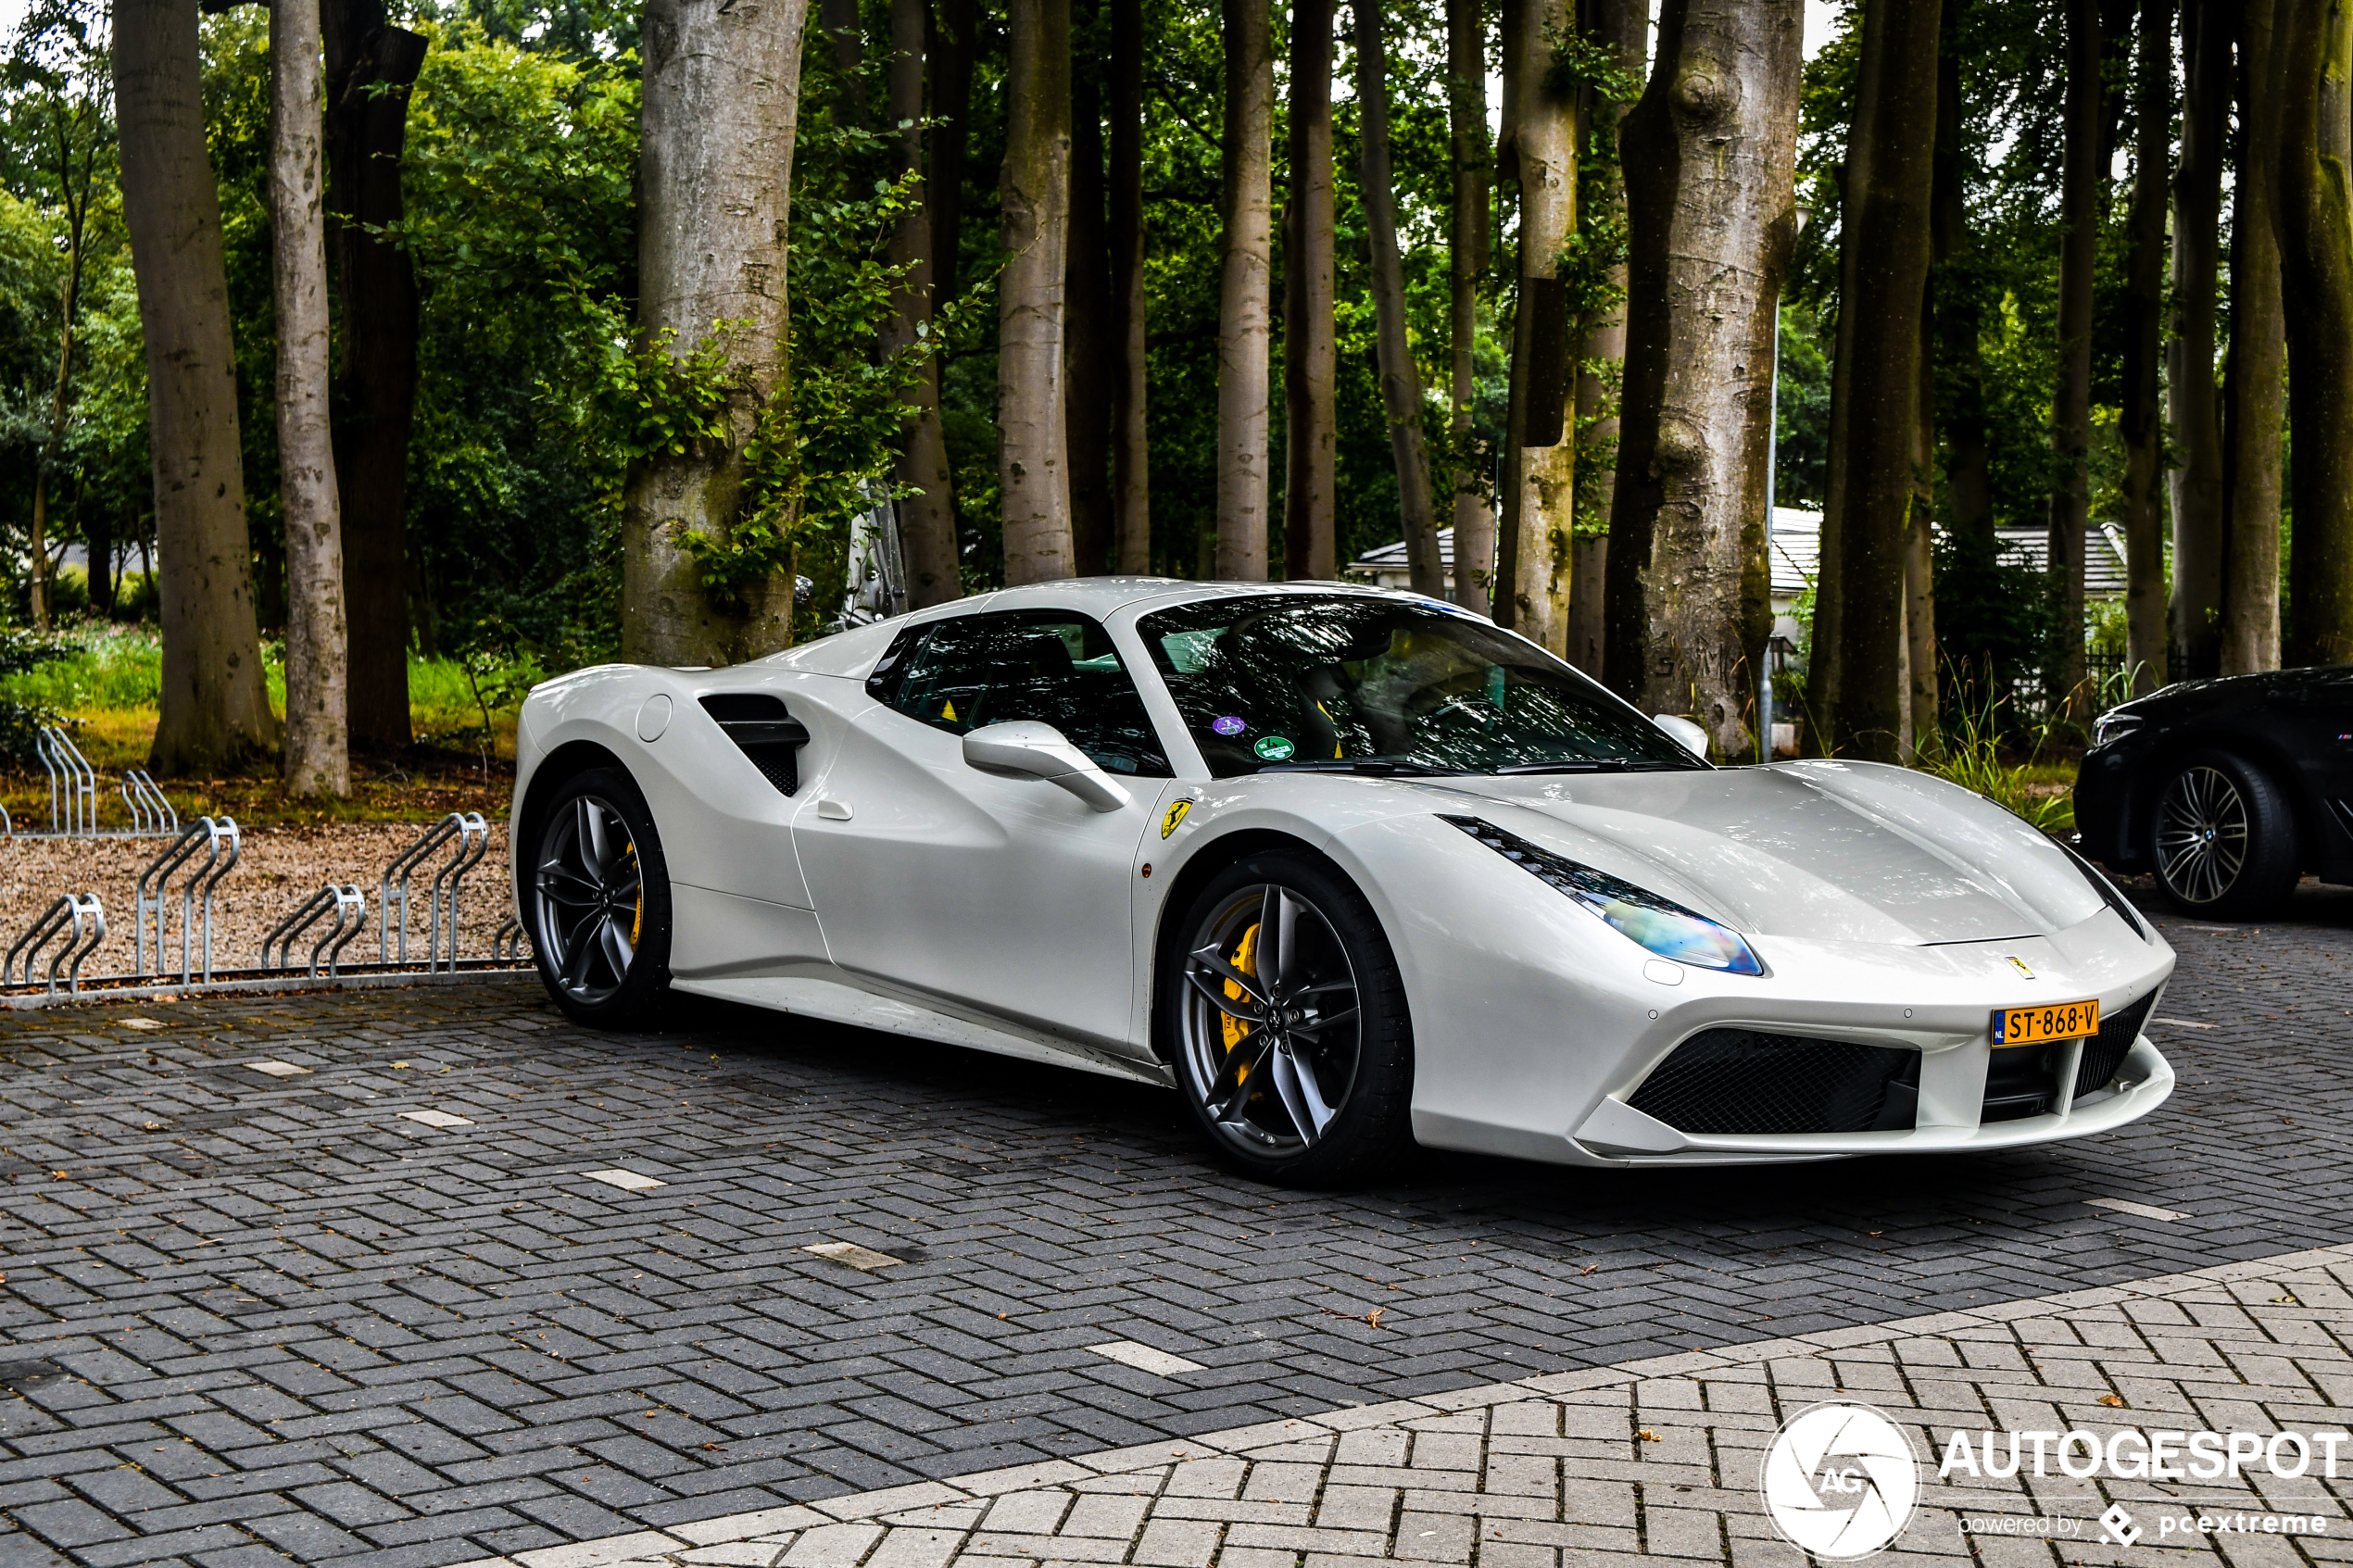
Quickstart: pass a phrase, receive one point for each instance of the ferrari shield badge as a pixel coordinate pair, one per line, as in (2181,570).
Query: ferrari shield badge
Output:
(1175,815)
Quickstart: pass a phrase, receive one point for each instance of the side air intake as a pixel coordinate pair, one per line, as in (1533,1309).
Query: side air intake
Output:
(1746,1081)
(764,731)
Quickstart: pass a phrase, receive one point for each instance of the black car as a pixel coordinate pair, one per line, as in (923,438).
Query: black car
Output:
(2228,790)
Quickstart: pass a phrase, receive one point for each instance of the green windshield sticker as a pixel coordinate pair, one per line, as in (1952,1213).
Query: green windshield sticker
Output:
(1273,748)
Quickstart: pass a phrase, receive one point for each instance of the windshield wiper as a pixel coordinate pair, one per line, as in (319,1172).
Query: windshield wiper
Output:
(1374,767)
(1579,765)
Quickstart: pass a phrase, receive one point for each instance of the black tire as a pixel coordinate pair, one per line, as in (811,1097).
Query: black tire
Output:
(2222,837)
(1327,1109)
(599,923)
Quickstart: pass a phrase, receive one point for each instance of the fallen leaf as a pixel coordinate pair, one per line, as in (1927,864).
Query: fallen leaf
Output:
(2112,1400)
(1373,1317)
(1648,1435)
(1586,1270)
(400,1064)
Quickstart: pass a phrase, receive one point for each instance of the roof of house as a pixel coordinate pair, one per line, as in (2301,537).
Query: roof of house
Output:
(1796,546)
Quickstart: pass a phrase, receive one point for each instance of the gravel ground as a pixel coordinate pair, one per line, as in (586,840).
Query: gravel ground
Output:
(277,867)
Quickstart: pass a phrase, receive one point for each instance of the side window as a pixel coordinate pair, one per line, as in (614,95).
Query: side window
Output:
(1044,665)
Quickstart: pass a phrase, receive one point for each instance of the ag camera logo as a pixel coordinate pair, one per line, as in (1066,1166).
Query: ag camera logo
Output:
(1840,1480)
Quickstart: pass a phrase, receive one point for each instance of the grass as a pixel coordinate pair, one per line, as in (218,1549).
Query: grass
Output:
(2038,789)
(110,687)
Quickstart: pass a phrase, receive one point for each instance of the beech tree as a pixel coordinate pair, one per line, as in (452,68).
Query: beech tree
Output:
(2193,411)
(2254,387)
(720,105)
(1243,300)
(2143,416)
(2086,158)
(1710,151)
(1091,358)
(370,70)
(2316,263)
(1539,499)
(1131,449)
(317,752)
(927,518)
(1401,381)
(1466,247)
(1033,476)
(1311,345)
(215,713)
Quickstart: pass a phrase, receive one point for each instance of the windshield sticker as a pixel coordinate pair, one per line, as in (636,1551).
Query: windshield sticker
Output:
(1273,748)
(1229,725)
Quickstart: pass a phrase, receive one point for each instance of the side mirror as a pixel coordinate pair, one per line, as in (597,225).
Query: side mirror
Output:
(1024,749)
(1689,736)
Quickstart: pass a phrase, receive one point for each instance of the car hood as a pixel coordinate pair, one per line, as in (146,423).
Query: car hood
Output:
(1838,851)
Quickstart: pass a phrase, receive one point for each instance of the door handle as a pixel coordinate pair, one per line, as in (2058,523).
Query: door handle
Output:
(834,810)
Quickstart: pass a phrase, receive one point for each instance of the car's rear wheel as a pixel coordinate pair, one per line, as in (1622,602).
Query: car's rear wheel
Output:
(2223,838)
(598,892)
(1285,1014)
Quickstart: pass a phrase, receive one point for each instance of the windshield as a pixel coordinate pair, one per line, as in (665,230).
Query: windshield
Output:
(1333,683)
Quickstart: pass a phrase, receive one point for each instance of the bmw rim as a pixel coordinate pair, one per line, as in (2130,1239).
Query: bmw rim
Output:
(592,900)
(1270,1029)
(2201,834)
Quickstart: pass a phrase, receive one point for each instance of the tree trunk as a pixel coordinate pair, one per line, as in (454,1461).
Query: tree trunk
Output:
(2083,168)
(2316,265)
(76,196)
(101,537)
(2254,388)
(1623,25)
(1091,363)
(2195,414)
(1032,465)
(847,35)
(1710,150)
(216,716)
(927,518)
(1310,345)
(1825,662)
(2144,419)
(1890,162)
(1532,556)
(1243,300)
(1466,245)
(1131,449)
(370,68)
(317,754)
(720,103)
(1959,353)
(955,38)
(1920,564)
(1401,381)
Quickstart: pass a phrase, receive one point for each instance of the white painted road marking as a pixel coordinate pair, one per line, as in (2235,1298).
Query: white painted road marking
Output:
(1143,1357)
(439,1119)
(278,1069)
(857,1257)
(2124,1205)
(2182,1023)
(628,1180)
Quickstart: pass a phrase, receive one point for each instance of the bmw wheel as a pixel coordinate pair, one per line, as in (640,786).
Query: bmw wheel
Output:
(2223,838)
(598,895)
(1283,1008)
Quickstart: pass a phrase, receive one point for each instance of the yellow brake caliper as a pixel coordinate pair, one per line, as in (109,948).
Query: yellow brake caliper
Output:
(637,921)
(1245,958)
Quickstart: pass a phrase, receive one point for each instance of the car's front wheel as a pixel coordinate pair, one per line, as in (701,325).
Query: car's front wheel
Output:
(1283,1008)
(598,895)
(2223,838)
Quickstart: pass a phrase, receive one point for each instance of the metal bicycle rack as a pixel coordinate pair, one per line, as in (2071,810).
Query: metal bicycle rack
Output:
(471,837)
(79,914)
(510,943)
(349,907)
(73,784)
(213,837)
(152,816)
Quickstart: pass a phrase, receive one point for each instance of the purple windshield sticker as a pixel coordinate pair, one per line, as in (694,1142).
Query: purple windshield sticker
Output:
(1229,725)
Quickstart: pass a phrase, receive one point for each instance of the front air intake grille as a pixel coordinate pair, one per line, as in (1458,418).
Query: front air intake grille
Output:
(1737,1081)
(764,731)
(2104,1053)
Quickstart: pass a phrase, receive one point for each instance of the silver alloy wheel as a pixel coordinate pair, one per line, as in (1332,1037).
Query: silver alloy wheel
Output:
(1274,1064)
(2201,834)
(591,898)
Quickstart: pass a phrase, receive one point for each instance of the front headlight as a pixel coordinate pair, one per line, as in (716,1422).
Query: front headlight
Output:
(1659,924)
(2114,724)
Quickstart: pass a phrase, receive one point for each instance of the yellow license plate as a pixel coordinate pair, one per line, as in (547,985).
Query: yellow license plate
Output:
(2033,1026)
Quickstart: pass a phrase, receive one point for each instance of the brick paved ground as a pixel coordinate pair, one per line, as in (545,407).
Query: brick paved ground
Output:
(1660,1459)
(258,1317)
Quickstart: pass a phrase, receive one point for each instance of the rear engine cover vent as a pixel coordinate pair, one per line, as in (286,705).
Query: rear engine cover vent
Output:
(1744,1081)
(764,731)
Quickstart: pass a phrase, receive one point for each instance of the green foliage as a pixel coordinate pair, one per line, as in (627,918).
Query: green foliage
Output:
(1980,746)
(21,715)
(1801,454)
(1994,615)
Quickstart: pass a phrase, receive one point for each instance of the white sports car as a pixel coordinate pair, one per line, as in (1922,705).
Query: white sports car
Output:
(1348,869)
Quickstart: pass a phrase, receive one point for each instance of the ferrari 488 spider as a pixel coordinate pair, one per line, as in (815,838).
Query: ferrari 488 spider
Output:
(1347,869)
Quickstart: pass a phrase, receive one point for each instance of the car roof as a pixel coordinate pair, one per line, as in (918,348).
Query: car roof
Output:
(1099,597)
